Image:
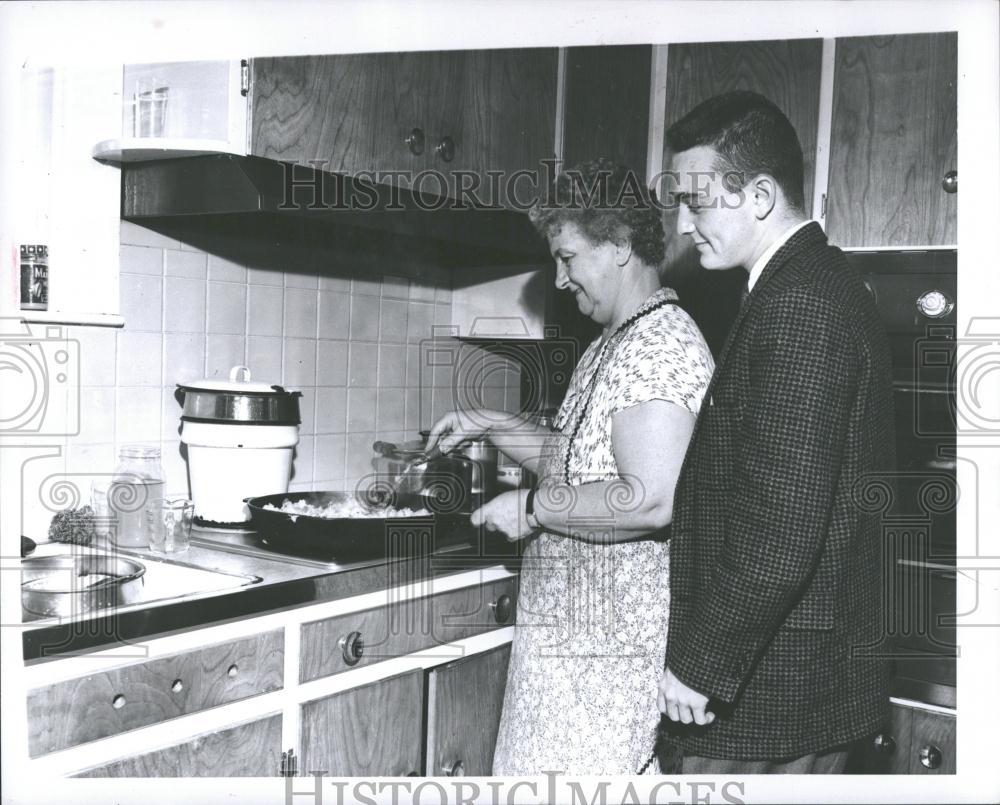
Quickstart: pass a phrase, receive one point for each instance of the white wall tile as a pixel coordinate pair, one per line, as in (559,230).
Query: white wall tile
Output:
(307,410)
(300,313)
(391,414)
(331,410)
(140,260)
(141,301)
(89,463)
(136,235)
(227,308)
(363,365)
(361,410)
(392,321)
(265,276)
(174,468)
(138,415)
(300,362)
(298,280)
(170,414)
(184,264)
(422,291)
(222,270)
(97,414)
(302,466)
(364,317)
(412,418)
(442,294)
(98,347)
(420,322)
(335,283)
(395,287)
(222,353)
(358,461)
(391,365)
(329,460)
(370,284)
(331,363)
(265,310)
(265,357)
(183,357)
(183,305)
(139,358)
(334,315)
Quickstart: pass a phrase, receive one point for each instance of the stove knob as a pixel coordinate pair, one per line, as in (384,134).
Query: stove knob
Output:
(935,304)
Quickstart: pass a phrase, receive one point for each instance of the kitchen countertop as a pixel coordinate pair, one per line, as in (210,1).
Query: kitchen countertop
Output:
(286,582)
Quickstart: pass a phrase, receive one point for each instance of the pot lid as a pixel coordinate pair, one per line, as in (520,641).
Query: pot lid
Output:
(239,382)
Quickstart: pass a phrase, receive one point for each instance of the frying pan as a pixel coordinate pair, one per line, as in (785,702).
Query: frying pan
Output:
(353,539)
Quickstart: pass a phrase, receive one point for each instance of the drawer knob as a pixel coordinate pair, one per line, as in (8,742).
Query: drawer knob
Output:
(118,702)
(446,149)
(352,647)
(930,756)
(456,769)
(178,686)
(232,671)
(415,141)
(950,182)
(884,744)
(502,609)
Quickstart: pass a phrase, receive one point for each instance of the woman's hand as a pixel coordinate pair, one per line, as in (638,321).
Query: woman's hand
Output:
(505,513)
(459,426)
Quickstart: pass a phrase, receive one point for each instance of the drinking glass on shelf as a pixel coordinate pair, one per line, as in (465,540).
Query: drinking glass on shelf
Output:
(149,117)
(168,524)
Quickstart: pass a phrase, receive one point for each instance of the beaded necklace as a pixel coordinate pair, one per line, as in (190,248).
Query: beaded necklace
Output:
(592,383)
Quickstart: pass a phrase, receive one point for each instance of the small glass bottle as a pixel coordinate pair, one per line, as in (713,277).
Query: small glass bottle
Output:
(138,482)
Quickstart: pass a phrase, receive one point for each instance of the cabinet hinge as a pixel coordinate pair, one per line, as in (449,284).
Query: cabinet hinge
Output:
(244,77)
(289,764)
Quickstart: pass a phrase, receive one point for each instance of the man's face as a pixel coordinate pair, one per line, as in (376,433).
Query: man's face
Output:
(719,222)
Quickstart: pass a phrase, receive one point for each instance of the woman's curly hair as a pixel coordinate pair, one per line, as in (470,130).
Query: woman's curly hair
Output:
(608,202)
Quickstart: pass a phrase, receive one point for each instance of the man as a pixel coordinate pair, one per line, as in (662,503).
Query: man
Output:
(775,569)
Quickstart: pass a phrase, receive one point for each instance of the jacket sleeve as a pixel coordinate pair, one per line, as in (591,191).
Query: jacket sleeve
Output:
(803,371)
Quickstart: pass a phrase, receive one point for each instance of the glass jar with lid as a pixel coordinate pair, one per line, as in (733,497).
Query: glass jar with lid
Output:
(138,481)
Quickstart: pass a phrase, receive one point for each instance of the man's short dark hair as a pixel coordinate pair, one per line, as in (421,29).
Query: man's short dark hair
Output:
(751,136)
(608,202)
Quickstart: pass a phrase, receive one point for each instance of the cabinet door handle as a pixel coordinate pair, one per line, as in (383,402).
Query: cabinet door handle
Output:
(884,744)
(456,769)
(501,609)
(950,182)
(415,141)
(446,149)
(930,756)
(352,647)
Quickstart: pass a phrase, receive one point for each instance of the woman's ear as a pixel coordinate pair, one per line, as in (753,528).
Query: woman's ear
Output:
(623,252)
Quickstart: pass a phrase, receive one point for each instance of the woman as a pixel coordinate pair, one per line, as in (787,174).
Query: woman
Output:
(592,615)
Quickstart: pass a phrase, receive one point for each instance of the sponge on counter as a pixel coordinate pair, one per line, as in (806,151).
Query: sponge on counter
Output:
(77,526)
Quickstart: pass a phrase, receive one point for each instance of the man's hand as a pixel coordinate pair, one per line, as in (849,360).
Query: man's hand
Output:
(678,702)
(505,513)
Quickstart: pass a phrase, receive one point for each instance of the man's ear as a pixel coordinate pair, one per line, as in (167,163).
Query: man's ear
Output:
(762,195)
(623,252)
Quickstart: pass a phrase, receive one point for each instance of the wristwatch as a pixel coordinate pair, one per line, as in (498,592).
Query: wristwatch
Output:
(529,510)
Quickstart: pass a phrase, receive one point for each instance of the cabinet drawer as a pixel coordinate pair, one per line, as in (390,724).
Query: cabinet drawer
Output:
(331,646)
(96,706)
(247,750)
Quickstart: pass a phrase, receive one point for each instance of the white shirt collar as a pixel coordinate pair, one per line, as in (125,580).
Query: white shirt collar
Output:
(765,258)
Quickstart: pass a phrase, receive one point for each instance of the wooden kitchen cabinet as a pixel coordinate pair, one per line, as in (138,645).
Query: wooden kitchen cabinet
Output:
(893,140)
(248,750)
(464,702)
(372,731)
(914,741)
(473,111)
(111,702)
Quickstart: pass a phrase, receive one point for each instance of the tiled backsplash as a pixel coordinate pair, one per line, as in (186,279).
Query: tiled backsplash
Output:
(355,343)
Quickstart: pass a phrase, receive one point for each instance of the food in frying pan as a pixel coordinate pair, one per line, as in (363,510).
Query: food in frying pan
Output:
(341,508)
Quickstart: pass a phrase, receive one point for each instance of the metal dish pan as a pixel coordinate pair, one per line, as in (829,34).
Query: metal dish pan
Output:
(354,539)
(75,584)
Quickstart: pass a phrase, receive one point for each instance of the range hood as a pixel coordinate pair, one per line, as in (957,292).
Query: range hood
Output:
(256,194)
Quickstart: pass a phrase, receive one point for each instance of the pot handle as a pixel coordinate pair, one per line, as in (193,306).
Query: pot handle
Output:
(239,374)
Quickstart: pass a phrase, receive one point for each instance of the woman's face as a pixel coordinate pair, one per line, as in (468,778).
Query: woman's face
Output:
(590,272)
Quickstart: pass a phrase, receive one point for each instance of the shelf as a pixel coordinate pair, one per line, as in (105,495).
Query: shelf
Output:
(146,149)
(57,317)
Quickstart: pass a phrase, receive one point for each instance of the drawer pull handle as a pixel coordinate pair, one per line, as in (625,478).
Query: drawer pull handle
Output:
(232,671)
(884,744)
(502,609)
(446,149)
(178,686)
(456,769)
(415,141)
(118,702)
(930,756)
(352,647)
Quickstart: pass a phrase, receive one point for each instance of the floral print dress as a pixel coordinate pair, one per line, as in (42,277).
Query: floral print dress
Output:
(591,629)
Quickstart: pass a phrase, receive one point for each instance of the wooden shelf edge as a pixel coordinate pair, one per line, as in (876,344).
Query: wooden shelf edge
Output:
(146,149)
(62,317)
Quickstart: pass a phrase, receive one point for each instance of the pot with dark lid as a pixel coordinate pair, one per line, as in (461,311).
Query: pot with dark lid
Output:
(241,436)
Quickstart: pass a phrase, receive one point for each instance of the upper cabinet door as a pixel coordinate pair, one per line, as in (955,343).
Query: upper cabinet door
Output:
(894,139)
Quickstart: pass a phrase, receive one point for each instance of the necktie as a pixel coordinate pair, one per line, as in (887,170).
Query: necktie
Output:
(745,291)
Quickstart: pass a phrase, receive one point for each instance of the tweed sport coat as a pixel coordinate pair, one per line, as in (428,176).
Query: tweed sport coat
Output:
(776,573)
